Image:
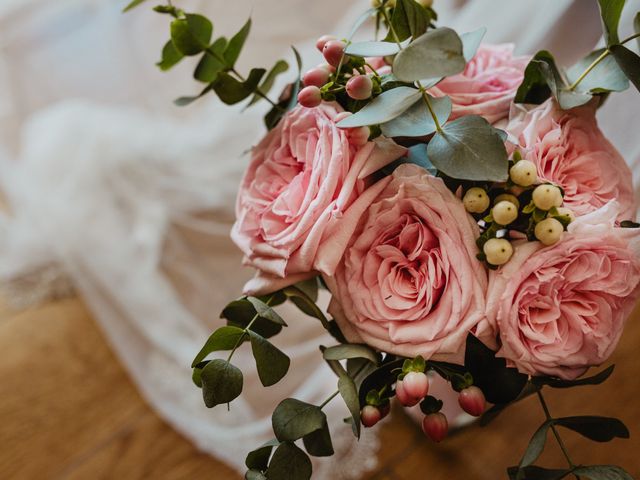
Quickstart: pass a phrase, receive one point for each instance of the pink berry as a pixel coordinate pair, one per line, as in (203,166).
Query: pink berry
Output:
(370,415)
(316,77)
(416,384)
(435,426)
(403,397)
(359,87)
(322,41)
(333,51)
(359,136)
(310,97)
(472,401)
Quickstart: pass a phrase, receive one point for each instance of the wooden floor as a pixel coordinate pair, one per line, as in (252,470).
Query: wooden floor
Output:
(68,411)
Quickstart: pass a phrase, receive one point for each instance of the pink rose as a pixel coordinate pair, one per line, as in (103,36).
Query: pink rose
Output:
(302,177)
(488,84)
(570,150)
(561,309)
(409,282)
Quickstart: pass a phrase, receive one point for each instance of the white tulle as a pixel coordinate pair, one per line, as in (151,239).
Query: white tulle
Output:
(130,200)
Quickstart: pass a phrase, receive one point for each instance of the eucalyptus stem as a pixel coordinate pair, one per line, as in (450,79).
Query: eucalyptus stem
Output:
(555,432)
(331,397)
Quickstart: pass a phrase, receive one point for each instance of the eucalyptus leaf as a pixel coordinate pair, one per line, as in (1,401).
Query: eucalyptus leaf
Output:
(636,27)
(629,63)
(258,459)
(280,67)
(232,52)
(265,311)
(610,11)
(271,363)
(224,338)
(343,352)
(567,99)
(221,382)
(409,19)
(437,53)
(603,472)
(289,463)
(534,87)
(184,101)
(417,120)
(606,76)
(383,108)
(349,393)
(254,475)
(471,42)
(232,91)
(536,445)
(417,155)
(385,375)
(372,49)
(293,419)
(170,56)
(241,313)
(598,429)
(469,148)
(318,443)
(211,62)
(191,34)
(309,287)
(133,5)
(559,383)
(534,472)
(306,304)
(196,375)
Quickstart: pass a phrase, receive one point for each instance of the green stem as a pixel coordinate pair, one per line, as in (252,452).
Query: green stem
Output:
(331,397)
(628,39)
(391,29)
(246,330)
(425,96)
(555,432)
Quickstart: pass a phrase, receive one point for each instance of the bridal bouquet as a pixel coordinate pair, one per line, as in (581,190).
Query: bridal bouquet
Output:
(459,203)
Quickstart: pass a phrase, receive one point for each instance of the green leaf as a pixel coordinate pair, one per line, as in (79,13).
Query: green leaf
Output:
(271,363)
(636,27)
(629,63)
(383,108)
(306,304)
(603,472)
(372,49)
(536,445)
(258,459)
(210,64)
(593,380)
(133,5)
(235,45)
(417,121)
(296,85)
(224,338)
(289,463)
(437,53)
(343,352)
(385,375)
(349,393)
(184,101)
(221,382)
(469,148)
(254,475)
(610,11)
(170,56)
(196,375)
(567,99)
(232,91)
(471,42)
(281,66)
(265,311)
(533,472)
(293,419)
(192,34)
(534,88)
(606,76)
(318,443)
(409,19)
(241,312)
(598,429)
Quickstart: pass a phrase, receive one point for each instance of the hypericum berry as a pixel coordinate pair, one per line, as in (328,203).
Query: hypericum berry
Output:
(359,136)
(472,401)
(435,426)
(403,397)
(316,77)
(370,415)
(504,212)
(567,213)
(310,97)
(507,197)
(416,385)
(360,87)
(322,41)
(545,197)
(549,231)
(333,51)
(476,200)
(498,251)
(524,173)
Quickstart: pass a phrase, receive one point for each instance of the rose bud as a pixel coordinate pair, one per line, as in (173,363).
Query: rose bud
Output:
(545,197)
(435,426)
(360,87)
(498,251)
(370,415)
(403,397)
(316,77)
(416,385)
(472,401)
(549,231)
(322,41)
(504,212)
(310,97)
(476,200)
(524,173)
(333,52)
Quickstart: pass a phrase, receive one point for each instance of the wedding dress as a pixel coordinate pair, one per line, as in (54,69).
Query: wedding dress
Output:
(129,199)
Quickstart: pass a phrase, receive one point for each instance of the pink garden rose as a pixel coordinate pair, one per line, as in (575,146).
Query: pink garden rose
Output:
(561,309)
(570,151)
(488,84)
(303,176)
(409,282)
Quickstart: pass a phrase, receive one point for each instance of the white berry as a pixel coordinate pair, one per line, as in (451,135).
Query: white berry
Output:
(507,197)
(498,251)
(504,212)
(545,197)
(567,213)
(476,200)
(549,231)
(524,173)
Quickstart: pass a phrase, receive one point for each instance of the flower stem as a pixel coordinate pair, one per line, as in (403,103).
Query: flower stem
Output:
(331,397)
